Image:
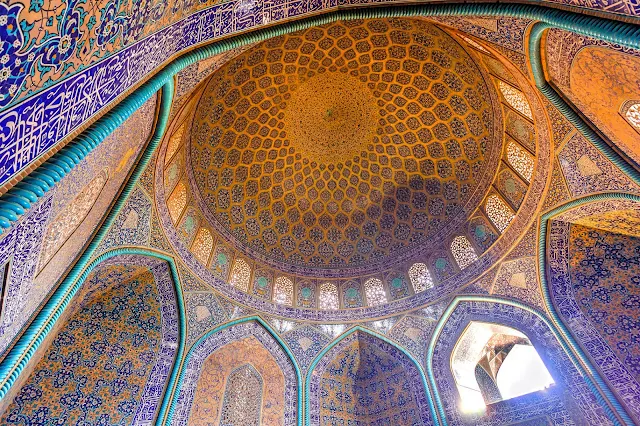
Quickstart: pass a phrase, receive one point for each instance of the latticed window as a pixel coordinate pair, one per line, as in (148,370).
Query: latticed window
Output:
(499,213)
(516,99)
(463,251)
(283,291)
(328,297)
(242,398)
(240,275)
(631,112)
(202,245)
(420,277)
(520,160)
(374,291)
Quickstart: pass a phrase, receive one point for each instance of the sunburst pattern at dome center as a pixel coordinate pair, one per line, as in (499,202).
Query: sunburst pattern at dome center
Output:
(344,145)
(331,118)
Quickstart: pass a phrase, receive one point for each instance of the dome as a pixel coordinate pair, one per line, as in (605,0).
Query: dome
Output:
(346,146)
(352,160)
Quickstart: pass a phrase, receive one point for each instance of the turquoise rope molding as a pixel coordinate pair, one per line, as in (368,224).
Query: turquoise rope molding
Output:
(267,327)
(26,192)
(557,334)
(32,187)
(580,123)
(20,354)
(182,322)
(316,360)
(546,291)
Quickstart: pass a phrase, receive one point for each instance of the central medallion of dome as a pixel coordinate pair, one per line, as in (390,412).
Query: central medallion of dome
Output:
(331,118)
(351,145)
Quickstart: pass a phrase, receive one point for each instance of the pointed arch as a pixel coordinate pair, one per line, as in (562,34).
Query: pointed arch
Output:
(565,368)
(217,339)
(150,404)
(355,335)
(559,297)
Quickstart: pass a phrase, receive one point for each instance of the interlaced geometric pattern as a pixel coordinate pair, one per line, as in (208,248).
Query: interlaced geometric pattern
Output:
(516,99)
(374,291)
(283,291)
(420,277)
(240,275)
(202,245)
(499,213)
(633,115)
(520,160)
(242,398)
(328,298)
(463,252)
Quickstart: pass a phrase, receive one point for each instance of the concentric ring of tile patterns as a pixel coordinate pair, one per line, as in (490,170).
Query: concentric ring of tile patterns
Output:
(351,145)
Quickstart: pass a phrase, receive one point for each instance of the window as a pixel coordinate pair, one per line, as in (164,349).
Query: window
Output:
(283,291)
(492,363)
(240,275)
(328,296)
(463,252)
(499,213)
(420,277)
(631,112)
(520,160)
(242,398)
(202,245)
(516,99)
(374,292)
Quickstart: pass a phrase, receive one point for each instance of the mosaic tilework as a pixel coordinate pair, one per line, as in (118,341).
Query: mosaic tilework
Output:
(568,401)
(216,377)
(413,333)
(489,257)
(305,342)
(190,282)
(265,187)
(110,361)
(157,239)
(526,246)
(583,68)
(518,279)
(580,315)
(364,380)
(243,333)
(558,190)
(67,221)
(146,178)
(504,32)
(21,246)
(204,312)
(116,155)
(559,125)
(132,226)
(587,171)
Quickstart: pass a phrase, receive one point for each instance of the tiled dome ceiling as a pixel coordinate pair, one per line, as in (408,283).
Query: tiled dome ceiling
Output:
(348,145)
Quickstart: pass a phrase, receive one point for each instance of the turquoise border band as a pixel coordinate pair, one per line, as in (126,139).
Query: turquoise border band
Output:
(208,334)
(32,187)
(323,352)
(580,123)
(18,356)
(548,300)
(182,321)
(62,162)
(566,346)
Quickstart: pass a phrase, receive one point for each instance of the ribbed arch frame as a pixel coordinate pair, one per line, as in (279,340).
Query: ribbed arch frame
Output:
(341,338)
(212,334)
(26,193)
